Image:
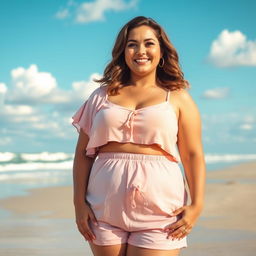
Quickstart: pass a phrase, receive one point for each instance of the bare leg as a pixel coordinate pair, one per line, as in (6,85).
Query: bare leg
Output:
(139,251)
(108,250)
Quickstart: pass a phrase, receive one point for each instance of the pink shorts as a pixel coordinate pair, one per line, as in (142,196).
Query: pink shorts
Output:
(132,196)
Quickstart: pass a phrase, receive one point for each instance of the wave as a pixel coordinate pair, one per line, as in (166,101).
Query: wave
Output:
(228,158)
(11,162)
(46,164)
(35,166)
(33,177)
(9,157)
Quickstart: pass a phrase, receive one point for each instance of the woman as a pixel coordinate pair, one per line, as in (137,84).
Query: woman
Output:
(129,192)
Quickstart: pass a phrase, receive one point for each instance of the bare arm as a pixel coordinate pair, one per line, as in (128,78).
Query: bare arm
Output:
(192,157)
(191,149)
(81,169)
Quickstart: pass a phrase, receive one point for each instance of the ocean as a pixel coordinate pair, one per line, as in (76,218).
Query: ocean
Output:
(22,171)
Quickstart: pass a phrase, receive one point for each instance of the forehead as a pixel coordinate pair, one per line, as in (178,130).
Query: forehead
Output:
(142,32)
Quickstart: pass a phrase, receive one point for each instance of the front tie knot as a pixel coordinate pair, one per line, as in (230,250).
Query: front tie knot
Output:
(129,121)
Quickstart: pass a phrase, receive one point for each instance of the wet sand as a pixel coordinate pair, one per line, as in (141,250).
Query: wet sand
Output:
(42,222)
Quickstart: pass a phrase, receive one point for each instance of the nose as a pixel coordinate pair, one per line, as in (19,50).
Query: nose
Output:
(141,49)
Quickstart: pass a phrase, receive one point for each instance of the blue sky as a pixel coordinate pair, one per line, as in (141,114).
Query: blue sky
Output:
(51,50)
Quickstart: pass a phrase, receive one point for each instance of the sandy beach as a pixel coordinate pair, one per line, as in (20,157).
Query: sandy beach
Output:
(42,222)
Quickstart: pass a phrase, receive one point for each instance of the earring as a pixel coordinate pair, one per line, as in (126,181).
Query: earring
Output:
(161,64)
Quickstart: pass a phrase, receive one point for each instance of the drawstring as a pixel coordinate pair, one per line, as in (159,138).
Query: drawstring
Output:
(129,121)
(136,189)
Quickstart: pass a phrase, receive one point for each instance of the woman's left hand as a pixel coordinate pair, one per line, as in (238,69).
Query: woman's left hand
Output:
(183,226)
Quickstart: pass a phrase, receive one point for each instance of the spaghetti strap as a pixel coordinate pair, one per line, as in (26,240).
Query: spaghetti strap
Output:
(168,95)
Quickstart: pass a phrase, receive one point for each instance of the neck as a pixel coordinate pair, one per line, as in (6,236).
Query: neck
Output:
(143,81)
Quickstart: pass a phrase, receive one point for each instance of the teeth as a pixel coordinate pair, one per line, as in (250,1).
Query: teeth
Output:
(141,61)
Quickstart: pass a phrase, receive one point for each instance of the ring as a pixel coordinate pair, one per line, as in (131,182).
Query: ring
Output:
(184,230)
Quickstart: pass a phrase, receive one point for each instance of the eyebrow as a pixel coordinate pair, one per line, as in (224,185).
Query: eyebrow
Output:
(147,39)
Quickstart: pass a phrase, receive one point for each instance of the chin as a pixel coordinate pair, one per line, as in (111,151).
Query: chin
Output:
(143,72)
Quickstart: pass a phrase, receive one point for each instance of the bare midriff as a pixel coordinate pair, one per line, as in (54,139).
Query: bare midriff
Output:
(152,149)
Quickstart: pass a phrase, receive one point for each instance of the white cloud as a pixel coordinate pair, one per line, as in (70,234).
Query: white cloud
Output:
(30,85)
(217,93)
(80,91)
(33,87)
(95,10)
(62,14)
(3,88)
(14,114)
(33,122)
(248,124)
(229,128)
(32,81)
(18,110)
(46,126)
(249,119)
(233,49)
(37,110)
(246,127)
(85,88)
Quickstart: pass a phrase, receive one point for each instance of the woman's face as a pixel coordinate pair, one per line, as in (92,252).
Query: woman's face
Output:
(142,51)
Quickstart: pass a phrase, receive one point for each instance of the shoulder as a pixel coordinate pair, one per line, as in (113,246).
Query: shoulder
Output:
(181,94)
(182,98)
(183,103)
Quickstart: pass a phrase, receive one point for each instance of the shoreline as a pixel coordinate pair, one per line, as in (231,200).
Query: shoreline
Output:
(227,221)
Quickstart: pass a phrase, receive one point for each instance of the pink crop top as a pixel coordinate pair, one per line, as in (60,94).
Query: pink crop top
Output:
(104,121)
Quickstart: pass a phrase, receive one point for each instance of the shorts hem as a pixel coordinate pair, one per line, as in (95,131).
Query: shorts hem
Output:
(108,244)
(152,247)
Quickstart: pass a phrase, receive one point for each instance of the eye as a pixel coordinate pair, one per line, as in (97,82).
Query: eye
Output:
(131,45)
(149,43)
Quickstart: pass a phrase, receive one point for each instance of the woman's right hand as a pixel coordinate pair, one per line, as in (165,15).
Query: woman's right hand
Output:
(83,214)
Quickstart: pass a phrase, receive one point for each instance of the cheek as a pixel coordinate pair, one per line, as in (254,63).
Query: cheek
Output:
(155,52)
(129,53)
(128,56)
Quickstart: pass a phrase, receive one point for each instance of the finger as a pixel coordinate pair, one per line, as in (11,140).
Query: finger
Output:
(173,234)
(177,211)
(89,230)
(87,236)
(178,233)
(90,233)
(83,233)
(86,230)
(174,225)
(181,236)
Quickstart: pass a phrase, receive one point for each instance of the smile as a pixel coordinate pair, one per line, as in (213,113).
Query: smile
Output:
(142,61)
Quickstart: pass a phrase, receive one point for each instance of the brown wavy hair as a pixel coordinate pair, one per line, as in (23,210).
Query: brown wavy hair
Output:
(117,73)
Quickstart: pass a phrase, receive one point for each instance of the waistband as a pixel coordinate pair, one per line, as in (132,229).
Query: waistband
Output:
(131,156)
